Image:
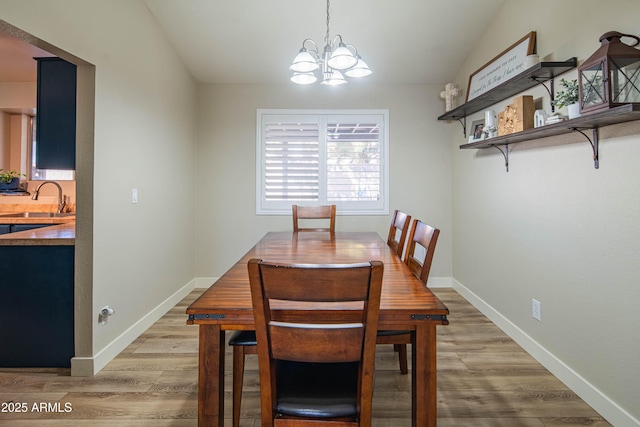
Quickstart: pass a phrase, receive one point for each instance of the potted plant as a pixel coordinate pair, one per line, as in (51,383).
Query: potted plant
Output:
(10,180)
(568,97)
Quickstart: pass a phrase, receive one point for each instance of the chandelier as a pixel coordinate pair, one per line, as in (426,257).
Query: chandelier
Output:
(336,57)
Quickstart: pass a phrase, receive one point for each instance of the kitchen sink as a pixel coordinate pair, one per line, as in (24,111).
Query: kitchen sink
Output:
(37,215)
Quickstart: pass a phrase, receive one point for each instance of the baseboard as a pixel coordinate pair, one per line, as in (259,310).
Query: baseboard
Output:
(205,282)
(440,282)
(606,407)
(89,366)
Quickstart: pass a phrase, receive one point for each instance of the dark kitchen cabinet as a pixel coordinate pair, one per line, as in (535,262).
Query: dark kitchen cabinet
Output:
(56,114)
(36,306)
(14,228)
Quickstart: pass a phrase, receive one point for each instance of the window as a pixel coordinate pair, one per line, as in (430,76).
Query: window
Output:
(325,157)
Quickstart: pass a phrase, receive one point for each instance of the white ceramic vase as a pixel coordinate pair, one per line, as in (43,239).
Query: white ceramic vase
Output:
(574,110)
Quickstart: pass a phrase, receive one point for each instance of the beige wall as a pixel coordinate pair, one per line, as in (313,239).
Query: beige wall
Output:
(140,256)
(16,99)
(18,95)
(226,168)
(554,228)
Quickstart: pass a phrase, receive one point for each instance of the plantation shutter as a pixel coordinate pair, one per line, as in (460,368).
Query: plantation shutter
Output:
(292,161)
(321,157)
(353,161)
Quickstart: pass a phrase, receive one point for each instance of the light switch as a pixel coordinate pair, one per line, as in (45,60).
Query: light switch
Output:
(134,195)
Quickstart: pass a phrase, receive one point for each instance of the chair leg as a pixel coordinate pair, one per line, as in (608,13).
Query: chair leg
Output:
(238,376)
(402,358)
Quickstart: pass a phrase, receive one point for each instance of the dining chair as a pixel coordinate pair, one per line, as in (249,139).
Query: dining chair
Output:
(314,212)
(396,239)
(244,342)
(398,231)
(425,236)
(315,370)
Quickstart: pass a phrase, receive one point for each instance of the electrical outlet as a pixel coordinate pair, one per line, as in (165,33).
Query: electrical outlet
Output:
(105,313)
(134,195)
(536,310)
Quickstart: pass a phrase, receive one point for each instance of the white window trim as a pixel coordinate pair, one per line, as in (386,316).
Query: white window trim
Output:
(342,208)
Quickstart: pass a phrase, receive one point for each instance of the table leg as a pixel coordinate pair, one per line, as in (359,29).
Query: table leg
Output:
(423,381)
(211,376)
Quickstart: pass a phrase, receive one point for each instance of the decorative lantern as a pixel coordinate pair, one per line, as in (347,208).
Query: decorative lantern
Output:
(611,76)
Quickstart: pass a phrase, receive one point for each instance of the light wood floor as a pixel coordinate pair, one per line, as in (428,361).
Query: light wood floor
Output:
(484,379)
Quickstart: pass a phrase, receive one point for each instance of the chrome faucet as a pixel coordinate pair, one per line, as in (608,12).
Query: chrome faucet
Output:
(61,202)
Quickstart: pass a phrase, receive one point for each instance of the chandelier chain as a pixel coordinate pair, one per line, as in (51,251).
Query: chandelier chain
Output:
(326,37)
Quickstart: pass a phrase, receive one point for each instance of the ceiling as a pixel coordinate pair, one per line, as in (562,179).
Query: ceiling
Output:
(254,41)
(17,60)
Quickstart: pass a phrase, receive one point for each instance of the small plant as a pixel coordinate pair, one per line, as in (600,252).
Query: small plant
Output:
(8,176)
(567,96)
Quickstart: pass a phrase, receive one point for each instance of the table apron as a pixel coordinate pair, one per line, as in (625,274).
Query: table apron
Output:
(405,321)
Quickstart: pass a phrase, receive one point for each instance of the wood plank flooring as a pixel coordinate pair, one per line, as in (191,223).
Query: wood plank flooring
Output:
(484,380)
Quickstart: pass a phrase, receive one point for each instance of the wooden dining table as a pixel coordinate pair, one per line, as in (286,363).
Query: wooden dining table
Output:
(406,304)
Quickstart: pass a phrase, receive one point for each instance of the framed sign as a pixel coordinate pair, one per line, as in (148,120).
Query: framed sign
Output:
(501,68)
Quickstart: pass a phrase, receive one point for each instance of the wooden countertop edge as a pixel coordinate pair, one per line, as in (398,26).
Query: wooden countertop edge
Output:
(56,235)
(38,220)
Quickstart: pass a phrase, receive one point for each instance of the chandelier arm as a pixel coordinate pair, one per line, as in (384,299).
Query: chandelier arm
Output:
(315,45)
(337,37)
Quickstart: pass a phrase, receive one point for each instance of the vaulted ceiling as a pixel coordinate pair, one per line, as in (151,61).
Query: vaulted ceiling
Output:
(254,41)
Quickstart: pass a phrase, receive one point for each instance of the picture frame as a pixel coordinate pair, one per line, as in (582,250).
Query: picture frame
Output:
(507,64)
(475,131)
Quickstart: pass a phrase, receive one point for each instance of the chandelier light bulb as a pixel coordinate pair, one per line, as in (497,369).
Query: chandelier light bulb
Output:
(304,78)
(333,78)
(304,62)
(361,69)
(342,58)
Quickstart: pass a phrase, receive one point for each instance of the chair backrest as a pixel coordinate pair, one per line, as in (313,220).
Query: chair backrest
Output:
(427,237)
(291,334)
(400,223)
(314,212)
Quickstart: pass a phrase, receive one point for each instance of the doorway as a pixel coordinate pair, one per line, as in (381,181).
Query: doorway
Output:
(82,362)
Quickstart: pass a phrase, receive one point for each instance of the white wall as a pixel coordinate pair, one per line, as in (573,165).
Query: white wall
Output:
(554,228)
(144,138)
(226,184)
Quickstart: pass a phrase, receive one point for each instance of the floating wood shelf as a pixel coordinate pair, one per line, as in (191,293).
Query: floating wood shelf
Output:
(593,122)
(539,73)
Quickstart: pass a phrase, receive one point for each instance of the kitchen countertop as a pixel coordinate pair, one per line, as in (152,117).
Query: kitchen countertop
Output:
(56,235)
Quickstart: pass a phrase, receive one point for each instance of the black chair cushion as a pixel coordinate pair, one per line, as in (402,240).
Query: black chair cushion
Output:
(243,338)
(319,390)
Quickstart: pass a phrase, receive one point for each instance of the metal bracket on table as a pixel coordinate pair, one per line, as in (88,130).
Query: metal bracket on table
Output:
(205,316)
(438,317)
(595,143)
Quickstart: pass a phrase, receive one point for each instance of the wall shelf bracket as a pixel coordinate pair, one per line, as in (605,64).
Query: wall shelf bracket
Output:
(505,154)
(595,142)
(463,122)
(549,90)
